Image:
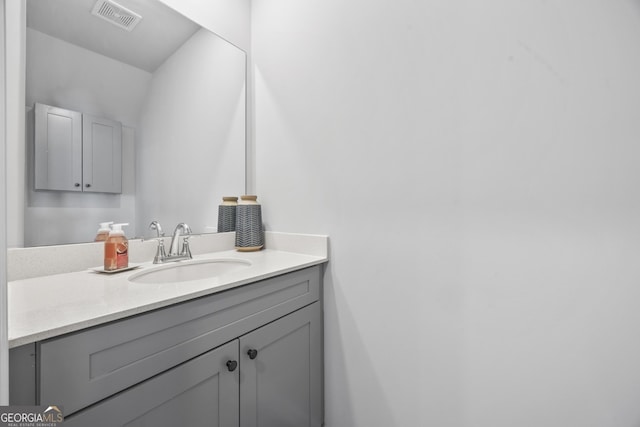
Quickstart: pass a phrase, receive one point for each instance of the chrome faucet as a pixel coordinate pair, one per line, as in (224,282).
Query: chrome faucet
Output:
(173,255)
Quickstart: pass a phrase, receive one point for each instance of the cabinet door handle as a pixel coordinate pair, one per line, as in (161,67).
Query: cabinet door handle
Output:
(87,185)
(77,184)
(253,353)
(232,365)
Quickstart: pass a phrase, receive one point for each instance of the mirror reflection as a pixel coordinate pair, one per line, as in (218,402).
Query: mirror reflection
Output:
(177,89)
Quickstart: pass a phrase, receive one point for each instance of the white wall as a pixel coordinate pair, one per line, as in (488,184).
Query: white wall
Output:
(63,74)
(476,166)
(230,19)
(4,337)
(16,18)
(192,150)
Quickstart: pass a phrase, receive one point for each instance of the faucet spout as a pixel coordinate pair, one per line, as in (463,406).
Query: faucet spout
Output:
(175,240)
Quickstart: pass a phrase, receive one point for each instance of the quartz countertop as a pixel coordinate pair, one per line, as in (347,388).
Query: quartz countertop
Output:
(51,305)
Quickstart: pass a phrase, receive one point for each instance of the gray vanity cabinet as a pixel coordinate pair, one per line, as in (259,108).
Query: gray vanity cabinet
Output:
(76,152)
(248,356)
(276,382)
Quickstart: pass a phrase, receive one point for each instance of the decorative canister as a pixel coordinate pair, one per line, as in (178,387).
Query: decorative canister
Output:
(249,232)
(227,214)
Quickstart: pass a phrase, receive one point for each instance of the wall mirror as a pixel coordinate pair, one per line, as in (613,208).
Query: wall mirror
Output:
(180,93)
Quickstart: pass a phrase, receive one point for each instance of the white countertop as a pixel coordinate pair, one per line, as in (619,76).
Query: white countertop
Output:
(48,306)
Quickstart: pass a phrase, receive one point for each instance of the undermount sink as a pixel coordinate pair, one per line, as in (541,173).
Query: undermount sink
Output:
(185,271)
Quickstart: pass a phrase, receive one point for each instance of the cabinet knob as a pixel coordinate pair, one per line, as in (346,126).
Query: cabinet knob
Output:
(232,365)
(253,353)
(87,185)
(77,184)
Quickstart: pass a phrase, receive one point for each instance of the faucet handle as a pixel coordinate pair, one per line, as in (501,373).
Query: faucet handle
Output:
(185,247)
(186,251)
(160,253)
(155,225)
(185,228)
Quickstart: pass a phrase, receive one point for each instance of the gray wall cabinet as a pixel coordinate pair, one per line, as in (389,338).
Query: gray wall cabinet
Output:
(101,155)
(76,152)
(249,356)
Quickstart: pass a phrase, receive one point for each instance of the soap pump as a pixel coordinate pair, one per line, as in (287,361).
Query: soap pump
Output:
(103,231)
(116,249)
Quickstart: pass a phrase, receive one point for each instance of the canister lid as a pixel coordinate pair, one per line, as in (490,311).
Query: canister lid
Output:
(229,201)
(248,198)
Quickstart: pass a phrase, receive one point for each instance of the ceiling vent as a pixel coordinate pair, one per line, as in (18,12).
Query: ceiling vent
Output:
(117,15)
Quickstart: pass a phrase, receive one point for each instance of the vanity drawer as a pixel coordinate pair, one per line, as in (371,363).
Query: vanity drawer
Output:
(81,368)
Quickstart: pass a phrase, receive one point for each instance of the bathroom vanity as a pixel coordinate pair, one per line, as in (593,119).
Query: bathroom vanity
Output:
(243,350)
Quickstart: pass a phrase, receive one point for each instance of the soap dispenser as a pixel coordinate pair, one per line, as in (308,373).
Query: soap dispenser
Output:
(116,249)
(103,231)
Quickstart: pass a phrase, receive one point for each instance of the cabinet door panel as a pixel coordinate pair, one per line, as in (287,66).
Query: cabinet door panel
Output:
(282,385)
(201,392)
(22,375)
(102,155)
(58,149)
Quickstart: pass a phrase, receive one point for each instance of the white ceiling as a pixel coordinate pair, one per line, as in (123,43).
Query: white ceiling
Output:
(160,33)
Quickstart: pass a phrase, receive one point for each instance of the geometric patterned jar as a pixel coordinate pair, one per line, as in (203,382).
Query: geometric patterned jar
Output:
(227,214)
(249,231)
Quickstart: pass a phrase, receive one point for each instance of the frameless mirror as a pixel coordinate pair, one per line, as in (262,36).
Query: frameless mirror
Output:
(177,89)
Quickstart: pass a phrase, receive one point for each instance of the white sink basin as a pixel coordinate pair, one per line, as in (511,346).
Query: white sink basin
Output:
(184,271)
